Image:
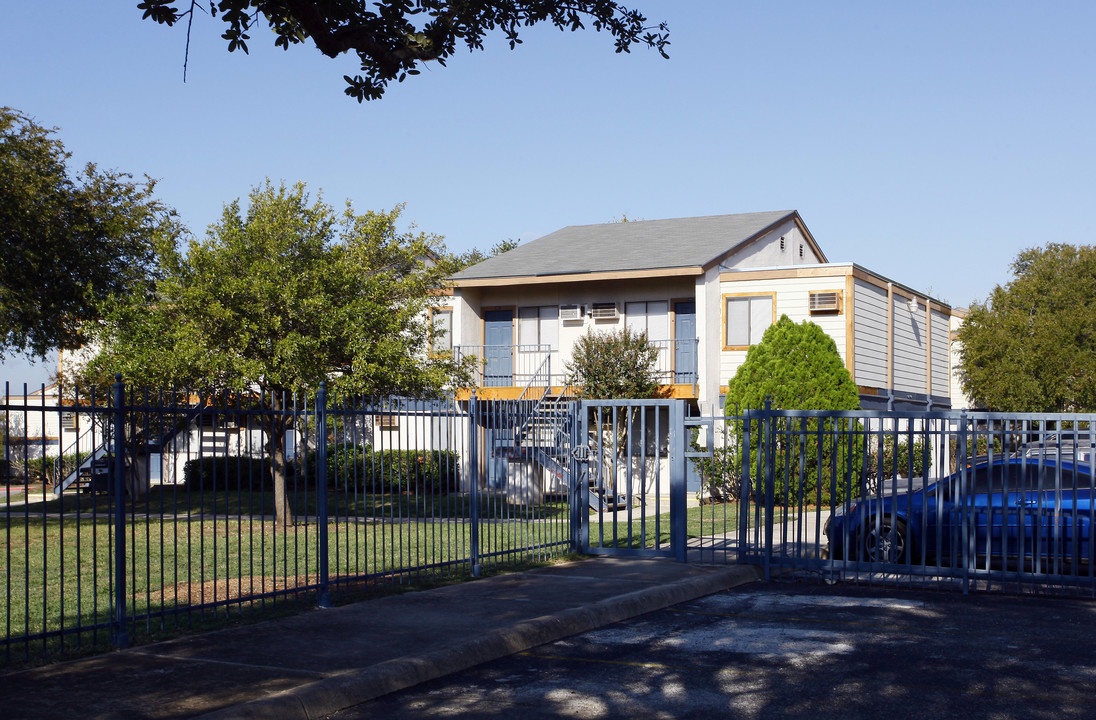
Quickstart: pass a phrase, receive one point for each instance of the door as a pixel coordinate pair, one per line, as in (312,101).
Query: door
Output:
(498,337)
(685,362)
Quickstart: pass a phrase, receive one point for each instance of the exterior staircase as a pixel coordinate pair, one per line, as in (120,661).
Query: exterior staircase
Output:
(546,433)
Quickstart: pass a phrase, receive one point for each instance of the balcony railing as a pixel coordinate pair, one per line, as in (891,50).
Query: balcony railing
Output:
(508,365)
(523,365)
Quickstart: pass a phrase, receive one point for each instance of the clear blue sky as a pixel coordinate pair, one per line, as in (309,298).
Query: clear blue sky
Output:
(928,142)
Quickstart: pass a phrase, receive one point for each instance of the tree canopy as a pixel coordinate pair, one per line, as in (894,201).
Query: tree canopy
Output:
(67,242)
(275,301)
(393,37)
(1031,347)
(282,297)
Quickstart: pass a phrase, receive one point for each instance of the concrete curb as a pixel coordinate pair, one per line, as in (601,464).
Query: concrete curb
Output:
(343,690)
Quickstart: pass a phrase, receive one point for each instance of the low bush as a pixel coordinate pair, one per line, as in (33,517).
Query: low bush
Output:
(45,469)
(720,474)
(883,463)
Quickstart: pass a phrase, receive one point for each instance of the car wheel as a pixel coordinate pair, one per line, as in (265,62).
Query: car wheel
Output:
(884,540)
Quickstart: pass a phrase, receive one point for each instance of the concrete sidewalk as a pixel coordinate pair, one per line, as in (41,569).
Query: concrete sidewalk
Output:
(319,662)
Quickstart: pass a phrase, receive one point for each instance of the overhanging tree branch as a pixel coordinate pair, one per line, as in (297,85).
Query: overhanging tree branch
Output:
(390,43)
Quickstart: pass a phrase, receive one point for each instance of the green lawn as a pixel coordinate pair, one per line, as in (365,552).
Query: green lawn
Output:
(56,573)
(177,500)
(653,531)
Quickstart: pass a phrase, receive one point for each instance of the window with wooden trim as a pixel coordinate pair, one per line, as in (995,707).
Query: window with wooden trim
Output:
(390,421)
(825,302)
(441,331)
(746,318)
(68,421)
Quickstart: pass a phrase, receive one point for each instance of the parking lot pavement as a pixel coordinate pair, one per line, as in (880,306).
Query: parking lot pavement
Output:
(782,650)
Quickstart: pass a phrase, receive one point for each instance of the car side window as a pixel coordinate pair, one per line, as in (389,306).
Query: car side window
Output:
(998,479)
(980,481)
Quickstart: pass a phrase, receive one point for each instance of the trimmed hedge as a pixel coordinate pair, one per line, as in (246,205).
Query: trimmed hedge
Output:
(436,472)
(412,471)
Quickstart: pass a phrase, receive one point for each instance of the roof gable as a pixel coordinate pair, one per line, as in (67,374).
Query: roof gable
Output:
(631,246)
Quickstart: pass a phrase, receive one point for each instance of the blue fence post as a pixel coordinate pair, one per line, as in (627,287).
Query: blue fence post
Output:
(580,478)
(678,529)
(964,508)
(768,451)
(119,634)
(473,482)
(321,493)
(745,487)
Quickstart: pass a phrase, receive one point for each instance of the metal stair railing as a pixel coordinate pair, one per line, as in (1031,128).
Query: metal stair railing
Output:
(63,479)
(182,424)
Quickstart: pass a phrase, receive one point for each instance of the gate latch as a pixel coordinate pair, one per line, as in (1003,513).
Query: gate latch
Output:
(581,453)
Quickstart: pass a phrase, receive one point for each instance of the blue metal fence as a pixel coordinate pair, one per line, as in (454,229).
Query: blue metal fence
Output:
(177,509)
(137,513)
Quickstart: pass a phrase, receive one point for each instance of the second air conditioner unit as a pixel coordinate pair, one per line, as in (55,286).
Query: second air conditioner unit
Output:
(604,311)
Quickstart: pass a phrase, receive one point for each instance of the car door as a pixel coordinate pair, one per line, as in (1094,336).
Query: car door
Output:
(978,518)
(1059,518)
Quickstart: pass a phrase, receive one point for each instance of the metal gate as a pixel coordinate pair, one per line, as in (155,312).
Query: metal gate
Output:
(629,469)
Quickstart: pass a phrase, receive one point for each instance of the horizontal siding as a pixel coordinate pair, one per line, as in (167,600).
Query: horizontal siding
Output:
(941,351)
(870,335)
(910,344)
(729,362)
(792,299)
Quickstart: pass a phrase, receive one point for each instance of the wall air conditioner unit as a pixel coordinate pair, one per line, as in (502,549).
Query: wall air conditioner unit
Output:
(825,302)
(604,311)
(570,312)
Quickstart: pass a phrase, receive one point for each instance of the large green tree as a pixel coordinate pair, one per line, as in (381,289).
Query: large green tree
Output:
(67,241)
(279,298)
(797,367)
(1031,347)
(392,38)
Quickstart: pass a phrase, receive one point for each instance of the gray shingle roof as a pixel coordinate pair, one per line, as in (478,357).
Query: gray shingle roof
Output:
(616,247)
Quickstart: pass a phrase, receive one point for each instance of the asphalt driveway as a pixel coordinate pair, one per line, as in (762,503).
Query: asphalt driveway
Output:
(782,650)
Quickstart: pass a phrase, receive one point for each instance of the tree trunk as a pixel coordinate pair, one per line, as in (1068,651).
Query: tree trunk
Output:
(279,425)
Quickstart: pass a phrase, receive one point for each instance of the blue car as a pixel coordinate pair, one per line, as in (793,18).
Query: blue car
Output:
(1010,510)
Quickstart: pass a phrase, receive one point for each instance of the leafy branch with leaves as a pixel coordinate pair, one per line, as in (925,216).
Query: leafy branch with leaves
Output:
(393,38)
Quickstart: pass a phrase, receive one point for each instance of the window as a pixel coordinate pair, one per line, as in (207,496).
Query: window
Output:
(441,331)
(652,318)
(539,326)
(68,421)
(747,318)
